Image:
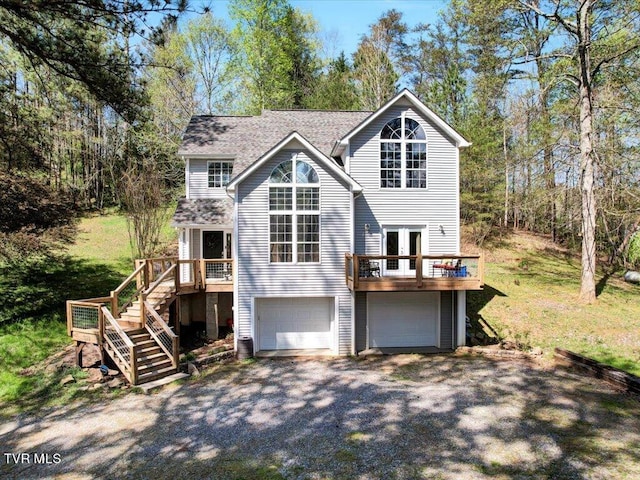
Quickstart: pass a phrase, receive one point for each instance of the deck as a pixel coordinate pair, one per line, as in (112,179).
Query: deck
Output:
(131,324)
(408,273)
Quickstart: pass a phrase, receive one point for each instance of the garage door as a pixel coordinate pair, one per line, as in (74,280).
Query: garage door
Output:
(294,323)
(403,319)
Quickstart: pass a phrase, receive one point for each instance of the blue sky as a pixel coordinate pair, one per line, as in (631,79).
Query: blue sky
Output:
(342,22)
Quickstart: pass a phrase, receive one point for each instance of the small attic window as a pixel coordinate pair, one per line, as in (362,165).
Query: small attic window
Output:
(219,173)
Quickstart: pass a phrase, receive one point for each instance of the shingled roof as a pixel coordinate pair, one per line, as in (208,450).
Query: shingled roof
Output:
(203,211)
(248,138)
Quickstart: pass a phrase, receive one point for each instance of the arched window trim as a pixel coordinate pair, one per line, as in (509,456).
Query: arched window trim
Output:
(403,160)
(294,213)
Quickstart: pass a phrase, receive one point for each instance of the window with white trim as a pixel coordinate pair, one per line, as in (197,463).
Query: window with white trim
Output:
(403,154)
(294,213)
(219,173)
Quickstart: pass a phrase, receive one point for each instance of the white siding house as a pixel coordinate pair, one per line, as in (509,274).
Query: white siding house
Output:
(326,218)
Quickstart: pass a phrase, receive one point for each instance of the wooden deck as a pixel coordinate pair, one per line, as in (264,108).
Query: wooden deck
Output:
(372,273)
(130,325)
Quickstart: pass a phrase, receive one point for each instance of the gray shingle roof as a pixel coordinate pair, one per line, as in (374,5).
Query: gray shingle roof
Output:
(248,138)
(203,211)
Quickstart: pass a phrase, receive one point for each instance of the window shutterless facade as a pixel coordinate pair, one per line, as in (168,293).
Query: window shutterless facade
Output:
(294,213)
(403,154)
(219,173)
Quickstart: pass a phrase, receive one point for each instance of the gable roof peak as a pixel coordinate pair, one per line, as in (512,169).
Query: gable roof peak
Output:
(407,94)
(295,136)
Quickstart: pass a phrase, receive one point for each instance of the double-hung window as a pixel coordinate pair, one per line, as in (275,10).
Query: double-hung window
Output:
(294,213)
(219,173)
(403,154)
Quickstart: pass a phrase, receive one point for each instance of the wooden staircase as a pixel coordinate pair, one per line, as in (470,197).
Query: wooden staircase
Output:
(131,325)
(151,361)
(160,298)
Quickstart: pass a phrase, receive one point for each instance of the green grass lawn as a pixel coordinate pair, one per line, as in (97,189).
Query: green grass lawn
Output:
(104,239)
(531,297)
(32,305)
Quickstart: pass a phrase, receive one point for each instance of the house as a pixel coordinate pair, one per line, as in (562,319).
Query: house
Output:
(341,229)
(308,232)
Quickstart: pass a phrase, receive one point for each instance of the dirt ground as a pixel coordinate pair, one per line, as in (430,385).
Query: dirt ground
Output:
(402,417)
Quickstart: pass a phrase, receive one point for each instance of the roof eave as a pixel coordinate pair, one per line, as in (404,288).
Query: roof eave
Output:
(458,139)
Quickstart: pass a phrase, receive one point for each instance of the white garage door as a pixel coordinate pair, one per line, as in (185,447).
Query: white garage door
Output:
(403,319)
(294,323)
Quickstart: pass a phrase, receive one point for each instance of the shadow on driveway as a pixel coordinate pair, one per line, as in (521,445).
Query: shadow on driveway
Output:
(406,416)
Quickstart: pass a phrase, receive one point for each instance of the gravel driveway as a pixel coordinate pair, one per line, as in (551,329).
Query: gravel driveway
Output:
(400,417)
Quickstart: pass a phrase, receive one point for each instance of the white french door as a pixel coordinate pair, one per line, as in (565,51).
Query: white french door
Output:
(402,240)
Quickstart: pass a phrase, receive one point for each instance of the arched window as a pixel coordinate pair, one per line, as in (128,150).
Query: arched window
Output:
(403,154)
(294,213)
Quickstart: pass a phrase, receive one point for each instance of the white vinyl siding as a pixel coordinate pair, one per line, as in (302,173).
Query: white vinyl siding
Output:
(258,278)
(434,206)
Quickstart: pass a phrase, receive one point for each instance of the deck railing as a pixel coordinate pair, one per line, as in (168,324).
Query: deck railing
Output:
(84,316)
(216,269)
(121,345)
(188,273)
(407,272)
(128,291)
(162,334)
(165,277)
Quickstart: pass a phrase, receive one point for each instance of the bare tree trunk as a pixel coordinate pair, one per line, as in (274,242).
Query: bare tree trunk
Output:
(587,158)
(506,177)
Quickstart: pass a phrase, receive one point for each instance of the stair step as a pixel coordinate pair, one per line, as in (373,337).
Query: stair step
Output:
(150,386)
(141,338)
(136,331)
(146,343)
(148,350)
(162,292)
(134,310)
(129,323)
(154,365)
(151,358)
(153,375)
(139,333)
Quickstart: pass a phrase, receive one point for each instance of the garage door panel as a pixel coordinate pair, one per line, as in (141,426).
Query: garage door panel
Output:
(407,319)
(294,323)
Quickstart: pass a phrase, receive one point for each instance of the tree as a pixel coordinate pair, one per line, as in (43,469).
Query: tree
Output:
(276,54)
(335,89)
(207,51)
(373,61)
(437,68)
(75,40)
(603,35)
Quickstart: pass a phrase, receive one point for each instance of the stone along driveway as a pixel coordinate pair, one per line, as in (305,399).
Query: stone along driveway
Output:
(384,418)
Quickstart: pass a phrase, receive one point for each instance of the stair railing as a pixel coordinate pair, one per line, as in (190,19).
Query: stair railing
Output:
(121,345)
(128,291)
(145,294)
(162,334)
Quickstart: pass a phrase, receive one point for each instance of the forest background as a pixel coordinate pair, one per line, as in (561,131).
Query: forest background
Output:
(95,95)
